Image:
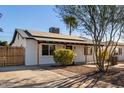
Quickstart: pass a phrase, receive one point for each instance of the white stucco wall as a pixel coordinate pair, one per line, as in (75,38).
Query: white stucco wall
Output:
(30,46)
(19,41)
(121,57)
(44,59)
(79,51)
(31,52)
(60,46)
(47,59)
(90,57)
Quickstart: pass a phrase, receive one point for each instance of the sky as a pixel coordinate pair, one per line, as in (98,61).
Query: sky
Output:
(37,18)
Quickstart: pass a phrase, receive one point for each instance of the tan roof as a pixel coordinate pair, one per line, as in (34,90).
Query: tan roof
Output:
(61,40)
(53,35)
(114,43)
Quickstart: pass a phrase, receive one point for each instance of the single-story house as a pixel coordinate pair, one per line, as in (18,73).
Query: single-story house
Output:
(39,46)
(119,51)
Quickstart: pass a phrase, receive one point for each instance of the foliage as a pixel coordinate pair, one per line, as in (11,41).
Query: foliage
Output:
(104,54)
(4,43)
(63,56)
(0,27)
(1,30)
(71,23)
(102,23)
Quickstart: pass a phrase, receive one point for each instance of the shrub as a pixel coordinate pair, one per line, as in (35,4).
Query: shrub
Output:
(104,54)
(63,56)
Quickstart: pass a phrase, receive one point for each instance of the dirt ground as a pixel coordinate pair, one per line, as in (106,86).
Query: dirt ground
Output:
(80,69)
(114,77)
(80,76)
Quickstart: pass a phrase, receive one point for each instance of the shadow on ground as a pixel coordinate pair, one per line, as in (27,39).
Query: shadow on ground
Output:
(74,81)
(88,80)
(114,78)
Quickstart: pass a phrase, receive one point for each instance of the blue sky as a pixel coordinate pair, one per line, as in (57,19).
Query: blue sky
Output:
(38,18)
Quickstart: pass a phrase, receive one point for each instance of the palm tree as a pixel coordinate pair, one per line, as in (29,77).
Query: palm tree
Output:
(1,30)
(71,23)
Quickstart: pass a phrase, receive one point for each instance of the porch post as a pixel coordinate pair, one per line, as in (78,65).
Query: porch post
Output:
(85,53)
(86,58)
(38,53)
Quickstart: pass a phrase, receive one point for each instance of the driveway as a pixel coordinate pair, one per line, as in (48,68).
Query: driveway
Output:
(31,76)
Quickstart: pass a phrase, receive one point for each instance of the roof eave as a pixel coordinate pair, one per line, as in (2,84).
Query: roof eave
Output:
(15,33)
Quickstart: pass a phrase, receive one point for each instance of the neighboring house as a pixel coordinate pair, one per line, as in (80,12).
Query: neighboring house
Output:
(119,51)
(39,46)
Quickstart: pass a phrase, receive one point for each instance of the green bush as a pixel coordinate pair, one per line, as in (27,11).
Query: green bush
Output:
(63,56)
(104,54)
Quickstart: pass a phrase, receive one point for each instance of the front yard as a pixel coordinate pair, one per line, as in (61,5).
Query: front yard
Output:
(69,76)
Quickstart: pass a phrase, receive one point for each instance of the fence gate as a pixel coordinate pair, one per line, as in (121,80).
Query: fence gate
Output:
(11,56)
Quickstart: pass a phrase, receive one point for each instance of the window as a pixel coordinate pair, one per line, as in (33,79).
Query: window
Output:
(87,50)
(52,48)
(48,49)
(45,50)
(119,51)
(69,47)
(90,51)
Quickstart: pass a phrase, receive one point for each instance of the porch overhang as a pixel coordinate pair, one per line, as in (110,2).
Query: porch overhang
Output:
(62,41)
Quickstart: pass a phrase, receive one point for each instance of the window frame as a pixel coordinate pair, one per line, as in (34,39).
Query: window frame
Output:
(88,50)
(48,50)
(119,52)
(69,46)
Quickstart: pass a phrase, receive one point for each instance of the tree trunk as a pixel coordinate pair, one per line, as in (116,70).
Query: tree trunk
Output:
(70,30)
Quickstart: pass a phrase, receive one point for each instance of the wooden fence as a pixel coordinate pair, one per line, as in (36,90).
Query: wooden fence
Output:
(11,56)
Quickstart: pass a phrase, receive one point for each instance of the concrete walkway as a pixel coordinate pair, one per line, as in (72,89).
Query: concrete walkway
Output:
(119,66)
(115,66)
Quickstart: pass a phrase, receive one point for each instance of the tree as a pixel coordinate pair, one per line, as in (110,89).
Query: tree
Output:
(0,27)
(102,24)
(71,23)
(4,43)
